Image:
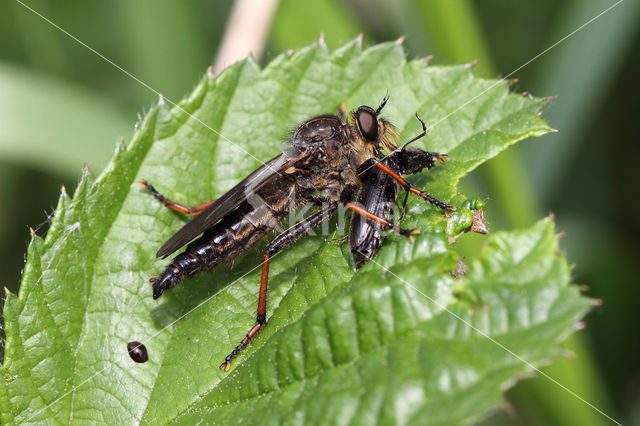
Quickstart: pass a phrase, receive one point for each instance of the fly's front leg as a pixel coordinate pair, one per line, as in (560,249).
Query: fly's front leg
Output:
(282,240)
(409,188)
(191,211)
(384,222)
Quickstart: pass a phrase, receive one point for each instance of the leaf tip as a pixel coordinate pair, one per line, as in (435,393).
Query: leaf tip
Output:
(57,217)
(321,41)
(400,39)
(210,71)
(359,39)
(35,238)
(428,59)
(596,302)
(120,146)
(86,179)
(85,172)
(160,99)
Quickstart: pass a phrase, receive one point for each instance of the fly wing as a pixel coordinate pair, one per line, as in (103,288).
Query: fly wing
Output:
(228,202)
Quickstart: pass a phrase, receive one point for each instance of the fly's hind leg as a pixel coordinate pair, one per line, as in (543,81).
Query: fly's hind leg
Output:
(281,241)
(180,208)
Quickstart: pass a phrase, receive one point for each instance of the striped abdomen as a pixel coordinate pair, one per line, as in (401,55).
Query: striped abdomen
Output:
(233,234)
(377,192)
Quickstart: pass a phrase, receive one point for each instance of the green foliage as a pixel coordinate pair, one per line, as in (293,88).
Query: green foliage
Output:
(401,340)
(35,127)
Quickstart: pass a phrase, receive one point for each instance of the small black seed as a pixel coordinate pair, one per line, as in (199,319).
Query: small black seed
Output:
(137,351)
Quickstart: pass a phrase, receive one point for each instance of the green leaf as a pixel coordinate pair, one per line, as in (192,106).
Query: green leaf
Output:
(400,340)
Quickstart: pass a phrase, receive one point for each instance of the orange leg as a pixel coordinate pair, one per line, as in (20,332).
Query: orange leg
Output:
(261,317)
(409,188)
(191,211)
(384,222)
(281,241)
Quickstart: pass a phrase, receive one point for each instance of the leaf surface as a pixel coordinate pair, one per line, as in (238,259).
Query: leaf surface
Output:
(401,340)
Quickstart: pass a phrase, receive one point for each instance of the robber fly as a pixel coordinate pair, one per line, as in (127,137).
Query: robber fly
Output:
(320,167)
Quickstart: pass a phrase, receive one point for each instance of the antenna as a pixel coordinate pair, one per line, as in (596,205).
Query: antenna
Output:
(424,132)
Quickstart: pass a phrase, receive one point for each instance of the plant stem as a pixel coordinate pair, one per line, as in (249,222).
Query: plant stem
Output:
(246,32)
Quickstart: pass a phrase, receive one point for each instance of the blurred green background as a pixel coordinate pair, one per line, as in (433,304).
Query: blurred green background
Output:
(62,106)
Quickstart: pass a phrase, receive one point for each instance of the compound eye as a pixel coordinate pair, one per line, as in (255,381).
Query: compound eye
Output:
(367,124)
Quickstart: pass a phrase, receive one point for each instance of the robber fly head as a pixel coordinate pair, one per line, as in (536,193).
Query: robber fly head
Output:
(373,128)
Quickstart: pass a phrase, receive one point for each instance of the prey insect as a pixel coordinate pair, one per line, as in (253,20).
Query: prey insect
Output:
(378,192)
(328,156)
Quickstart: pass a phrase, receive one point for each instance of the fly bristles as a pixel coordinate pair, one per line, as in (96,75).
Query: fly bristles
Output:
(390,136)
